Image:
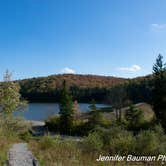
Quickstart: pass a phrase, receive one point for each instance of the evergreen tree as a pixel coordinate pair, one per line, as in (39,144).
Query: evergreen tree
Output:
(134,117)
(159,91)
(66,111)
(93,105)
(96,117)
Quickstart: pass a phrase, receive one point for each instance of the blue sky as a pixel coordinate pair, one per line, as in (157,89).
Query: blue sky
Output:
(104,37)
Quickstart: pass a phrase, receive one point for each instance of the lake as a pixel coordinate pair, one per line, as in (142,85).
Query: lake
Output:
(41,111)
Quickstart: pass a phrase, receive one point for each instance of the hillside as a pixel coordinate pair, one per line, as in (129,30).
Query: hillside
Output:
(83,87)
(82,81)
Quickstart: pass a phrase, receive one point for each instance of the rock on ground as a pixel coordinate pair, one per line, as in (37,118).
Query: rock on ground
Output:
(19,155)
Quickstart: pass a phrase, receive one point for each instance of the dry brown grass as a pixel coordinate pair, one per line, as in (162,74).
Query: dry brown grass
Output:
(147,110)
(62,153)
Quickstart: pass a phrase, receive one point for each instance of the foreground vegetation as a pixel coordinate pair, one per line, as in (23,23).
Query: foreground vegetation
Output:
(122,138)
(52,151)
(12,130)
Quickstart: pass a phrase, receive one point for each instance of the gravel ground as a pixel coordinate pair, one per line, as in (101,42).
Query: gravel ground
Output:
(19,155)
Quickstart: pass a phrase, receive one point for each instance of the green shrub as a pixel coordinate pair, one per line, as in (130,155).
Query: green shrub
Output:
(48,142)
(147,143)
(14,126)
(96,119)
(122,144)
(118,141)
(52,123)
(135,118)
(162,145)
(25,136)
(81,128)
(159,132)
(93,142)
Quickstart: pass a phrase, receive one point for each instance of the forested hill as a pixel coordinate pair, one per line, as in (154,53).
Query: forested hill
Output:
(83,87)
(82,81)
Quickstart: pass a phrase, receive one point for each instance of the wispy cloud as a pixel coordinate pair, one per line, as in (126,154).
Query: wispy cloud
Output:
(158,27)
(133,68)
(67,70)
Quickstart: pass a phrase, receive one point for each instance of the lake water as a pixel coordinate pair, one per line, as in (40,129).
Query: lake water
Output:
(41,111)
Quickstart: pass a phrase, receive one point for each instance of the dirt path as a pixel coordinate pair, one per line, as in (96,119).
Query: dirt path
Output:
(19,155)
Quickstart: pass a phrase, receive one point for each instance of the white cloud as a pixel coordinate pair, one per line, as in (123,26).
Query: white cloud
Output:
(158,27)
(133,68)
(67,70)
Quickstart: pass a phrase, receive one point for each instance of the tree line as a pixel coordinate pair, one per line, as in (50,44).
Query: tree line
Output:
(85,88)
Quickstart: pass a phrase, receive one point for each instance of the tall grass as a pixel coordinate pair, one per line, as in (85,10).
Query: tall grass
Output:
(51,151)
(11,131)
(54,152)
